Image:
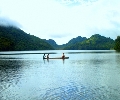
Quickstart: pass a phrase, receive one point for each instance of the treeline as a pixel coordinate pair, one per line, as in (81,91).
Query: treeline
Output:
(95,42)
(14,39)
(117,44)
(63,46)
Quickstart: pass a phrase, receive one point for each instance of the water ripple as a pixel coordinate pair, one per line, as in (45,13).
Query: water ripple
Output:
(73,92)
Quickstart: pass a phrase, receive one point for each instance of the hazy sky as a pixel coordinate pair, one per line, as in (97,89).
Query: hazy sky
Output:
(63,20)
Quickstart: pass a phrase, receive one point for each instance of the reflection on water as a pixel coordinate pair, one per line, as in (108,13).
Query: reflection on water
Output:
(47,60)
(74,92)
(9,71)
(86,75)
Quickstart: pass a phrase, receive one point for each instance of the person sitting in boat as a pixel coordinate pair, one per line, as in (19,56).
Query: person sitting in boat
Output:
(48,56)
(44,56)
(63,56)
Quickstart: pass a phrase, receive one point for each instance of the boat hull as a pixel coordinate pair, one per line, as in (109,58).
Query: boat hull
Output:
(57,58)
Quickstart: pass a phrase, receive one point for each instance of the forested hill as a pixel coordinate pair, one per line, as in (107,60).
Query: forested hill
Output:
(14,39)
(52,43)
(76,40)
(95,42)
(71,42)
(117,44)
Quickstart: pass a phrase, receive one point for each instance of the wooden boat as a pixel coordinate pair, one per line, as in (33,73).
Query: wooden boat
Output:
(57,58)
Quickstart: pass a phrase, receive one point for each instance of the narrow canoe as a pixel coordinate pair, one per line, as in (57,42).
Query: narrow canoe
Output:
(57,58)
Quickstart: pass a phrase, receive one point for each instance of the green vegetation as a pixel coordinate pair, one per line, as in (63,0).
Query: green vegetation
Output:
(71,42)
(52,43)
(117,44)
(76,40)
(95,42)
(14,39)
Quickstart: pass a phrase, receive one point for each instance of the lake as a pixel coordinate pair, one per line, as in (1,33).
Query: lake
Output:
(86,75)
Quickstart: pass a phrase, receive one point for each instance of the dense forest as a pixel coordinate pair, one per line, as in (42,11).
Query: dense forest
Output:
(71,42)
(95,42)
(52,43)
(14,39)
(117,44)
(76,40)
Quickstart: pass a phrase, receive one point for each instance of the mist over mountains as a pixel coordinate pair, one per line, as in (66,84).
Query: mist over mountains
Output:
(6,21)
(63,19)
(15,39)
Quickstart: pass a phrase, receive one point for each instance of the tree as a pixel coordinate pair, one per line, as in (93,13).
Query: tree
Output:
(95,42)
(117,44)
(14,39)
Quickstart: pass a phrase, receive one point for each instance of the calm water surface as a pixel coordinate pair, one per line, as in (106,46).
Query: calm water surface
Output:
(86,75)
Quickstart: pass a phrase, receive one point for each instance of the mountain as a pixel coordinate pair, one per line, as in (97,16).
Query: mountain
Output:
(71,42)
(51,42)
(117,44)
(14,39)
(75,40)
(95,42)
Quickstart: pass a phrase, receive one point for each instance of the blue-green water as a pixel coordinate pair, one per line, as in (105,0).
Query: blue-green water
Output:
(86,75)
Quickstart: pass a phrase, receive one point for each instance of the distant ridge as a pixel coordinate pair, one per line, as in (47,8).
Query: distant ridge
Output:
(14,39)
(61,47)
(51,42)
(95,42)
(77,39)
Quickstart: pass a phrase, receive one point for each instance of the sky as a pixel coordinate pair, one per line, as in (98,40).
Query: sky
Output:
(62,20)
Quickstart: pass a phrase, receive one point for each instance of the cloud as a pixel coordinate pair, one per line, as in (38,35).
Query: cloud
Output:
(87,18)
(59,35)
(64,19)
(115,24)
(76,2)
(5,21)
